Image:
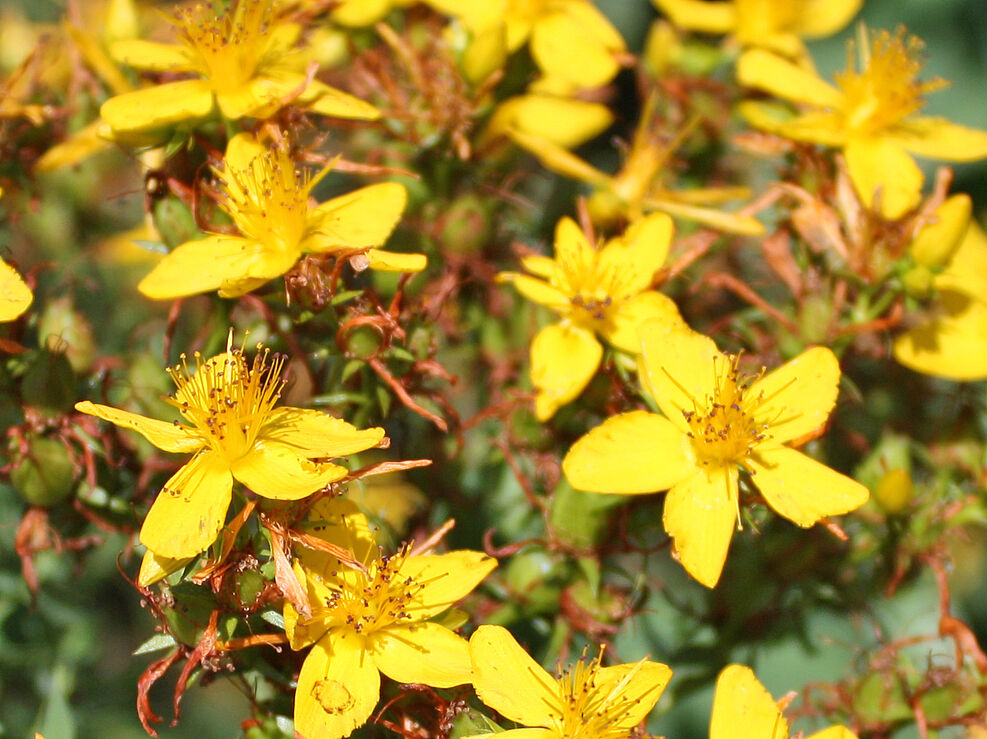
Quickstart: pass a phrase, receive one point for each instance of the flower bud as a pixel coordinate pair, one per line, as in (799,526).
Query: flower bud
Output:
(65,330)
(894,491)
(935,244)
(45,476)
(918,281)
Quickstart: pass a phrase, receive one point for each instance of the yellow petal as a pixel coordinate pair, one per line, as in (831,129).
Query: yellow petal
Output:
(821,18)
(639,253)
(563,121)
(966,272)
(698,15)
(361,218)
(635,452)
(164,435)
(444,578)
(539,265)
(151,55)
(679,367)
(802,489)
(700,515)
(718,219)
(639,685)
(571,245)
(80,145)
(313,433)
(338,104)
(882,170)
(357,13)
(241,150)
(557,159)
(937,138)
(564,359)
(816,127)
(424,653)
(537,290)
(953,344)
(509,681)
(190,510)
(275,470)
(596,23)
(257,97)
(15,295)
(787,80)
(743,709)
(389,261)
(797,398)
(158,106)
(834,732)
(565,47)
(631,315)
(338,687)
(155,567)
(485,54)
(212,263)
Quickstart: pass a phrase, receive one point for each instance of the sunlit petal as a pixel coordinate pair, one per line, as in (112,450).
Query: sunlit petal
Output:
(191,508)
(881,171)
(743,709)
(275,470)
(444,579)
(564,359)
(700,515)
(802,489)
(636,452)
(422,653)
(170,437)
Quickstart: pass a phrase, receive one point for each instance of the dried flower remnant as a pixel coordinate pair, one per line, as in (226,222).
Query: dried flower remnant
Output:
(247,62)
(596,292)
(870,115)
(587,701)
(235,433)
(371,619)
(717,421)
(268,200)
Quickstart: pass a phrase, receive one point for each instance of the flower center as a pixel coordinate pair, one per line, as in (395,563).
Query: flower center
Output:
(368,602)
(722,428)
(227,50)
(595,290)
(886,90)
(268,199)
(226,400)
(589,710)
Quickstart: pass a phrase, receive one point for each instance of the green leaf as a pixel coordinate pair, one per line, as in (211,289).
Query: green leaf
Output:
(155,644)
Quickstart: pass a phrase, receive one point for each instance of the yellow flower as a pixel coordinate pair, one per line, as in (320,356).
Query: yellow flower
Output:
(268,200)
(247,62)
(15,295)
(372,620)
(235,433)
(779,26)
(638,188)
(601,292)
(870,115)
(715,422)
(570,40)
(952,343)
(562,121)
(588,701)
(743,709)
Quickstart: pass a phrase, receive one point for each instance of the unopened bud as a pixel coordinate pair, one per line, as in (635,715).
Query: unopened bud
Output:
(935,244)
(894,491)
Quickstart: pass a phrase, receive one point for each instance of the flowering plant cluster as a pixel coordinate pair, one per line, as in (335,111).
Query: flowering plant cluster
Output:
(526,378)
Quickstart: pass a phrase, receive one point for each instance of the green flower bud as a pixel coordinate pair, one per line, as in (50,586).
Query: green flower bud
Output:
(65,330)
(45,476)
